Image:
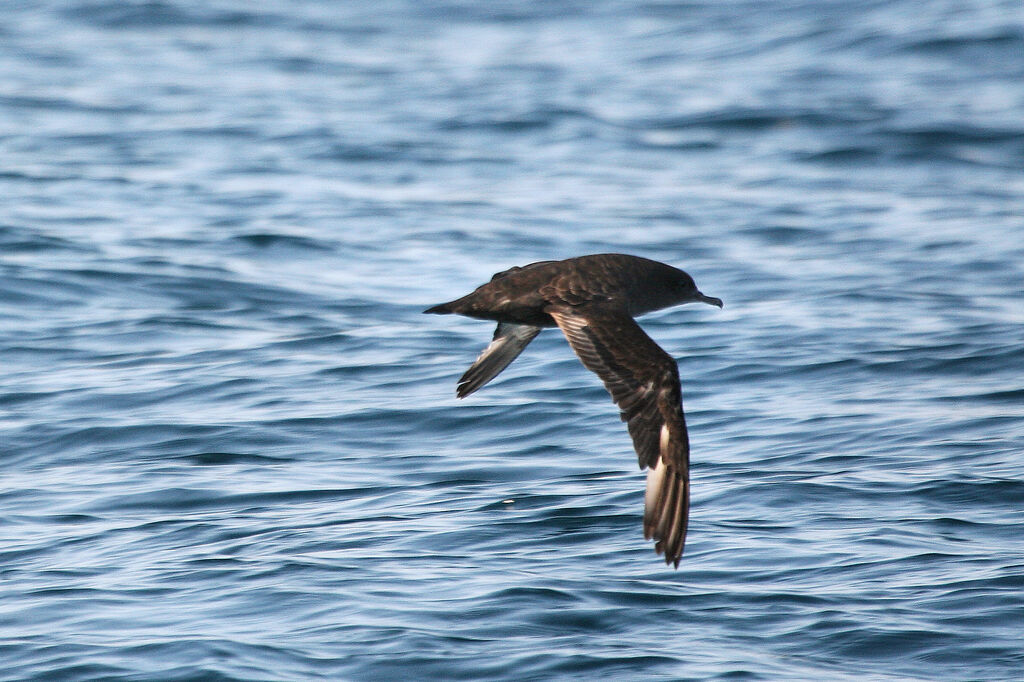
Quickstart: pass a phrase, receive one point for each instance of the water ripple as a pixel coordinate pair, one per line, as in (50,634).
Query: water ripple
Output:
(230,439)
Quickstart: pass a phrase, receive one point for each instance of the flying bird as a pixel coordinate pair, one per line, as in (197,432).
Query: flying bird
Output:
(593,300)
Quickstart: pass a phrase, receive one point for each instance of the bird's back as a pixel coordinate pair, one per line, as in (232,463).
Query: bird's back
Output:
(521,294)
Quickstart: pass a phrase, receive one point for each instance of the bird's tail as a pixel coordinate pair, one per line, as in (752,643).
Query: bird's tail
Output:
(460,306)
(441,309)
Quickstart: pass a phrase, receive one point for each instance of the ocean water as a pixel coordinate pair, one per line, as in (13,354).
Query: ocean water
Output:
(229,443)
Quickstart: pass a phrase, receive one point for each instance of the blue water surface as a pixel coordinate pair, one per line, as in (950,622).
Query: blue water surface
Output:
(229,443)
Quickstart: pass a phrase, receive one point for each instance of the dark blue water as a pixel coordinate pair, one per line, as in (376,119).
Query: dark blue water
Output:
(230,444)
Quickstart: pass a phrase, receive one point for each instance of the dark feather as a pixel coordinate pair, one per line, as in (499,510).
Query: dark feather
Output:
(509,341)
(643,380)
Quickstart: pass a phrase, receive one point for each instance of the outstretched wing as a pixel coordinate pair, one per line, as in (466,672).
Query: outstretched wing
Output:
(509,341)
(643,380)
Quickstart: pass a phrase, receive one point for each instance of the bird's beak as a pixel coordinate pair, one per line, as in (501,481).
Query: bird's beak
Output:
(710,300)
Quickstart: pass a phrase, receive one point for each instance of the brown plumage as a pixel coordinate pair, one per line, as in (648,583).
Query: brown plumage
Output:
(593,300)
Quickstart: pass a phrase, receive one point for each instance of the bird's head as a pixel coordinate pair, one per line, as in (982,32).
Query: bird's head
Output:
(687,291)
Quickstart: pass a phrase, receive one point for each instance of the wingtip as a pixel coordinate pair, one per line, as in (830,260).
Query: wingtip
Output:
(670,559)
(468,384)
(677,557)
(666,509)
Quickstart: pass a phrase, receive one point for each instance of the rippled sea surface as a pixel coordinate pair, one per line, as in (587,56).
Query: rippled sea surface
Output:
(229,443)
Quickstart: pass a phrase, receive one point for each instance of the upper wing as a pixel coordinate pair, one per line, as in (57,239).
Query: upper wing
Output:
(644,382)
(509,341)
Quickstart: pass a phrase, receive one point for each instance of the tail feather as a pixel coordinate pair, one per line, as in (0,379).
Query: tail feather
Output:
(441,309)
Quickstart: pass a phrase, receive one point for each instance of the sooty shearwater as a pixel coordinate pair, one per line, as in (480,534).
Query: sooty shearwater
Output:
(593,300)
